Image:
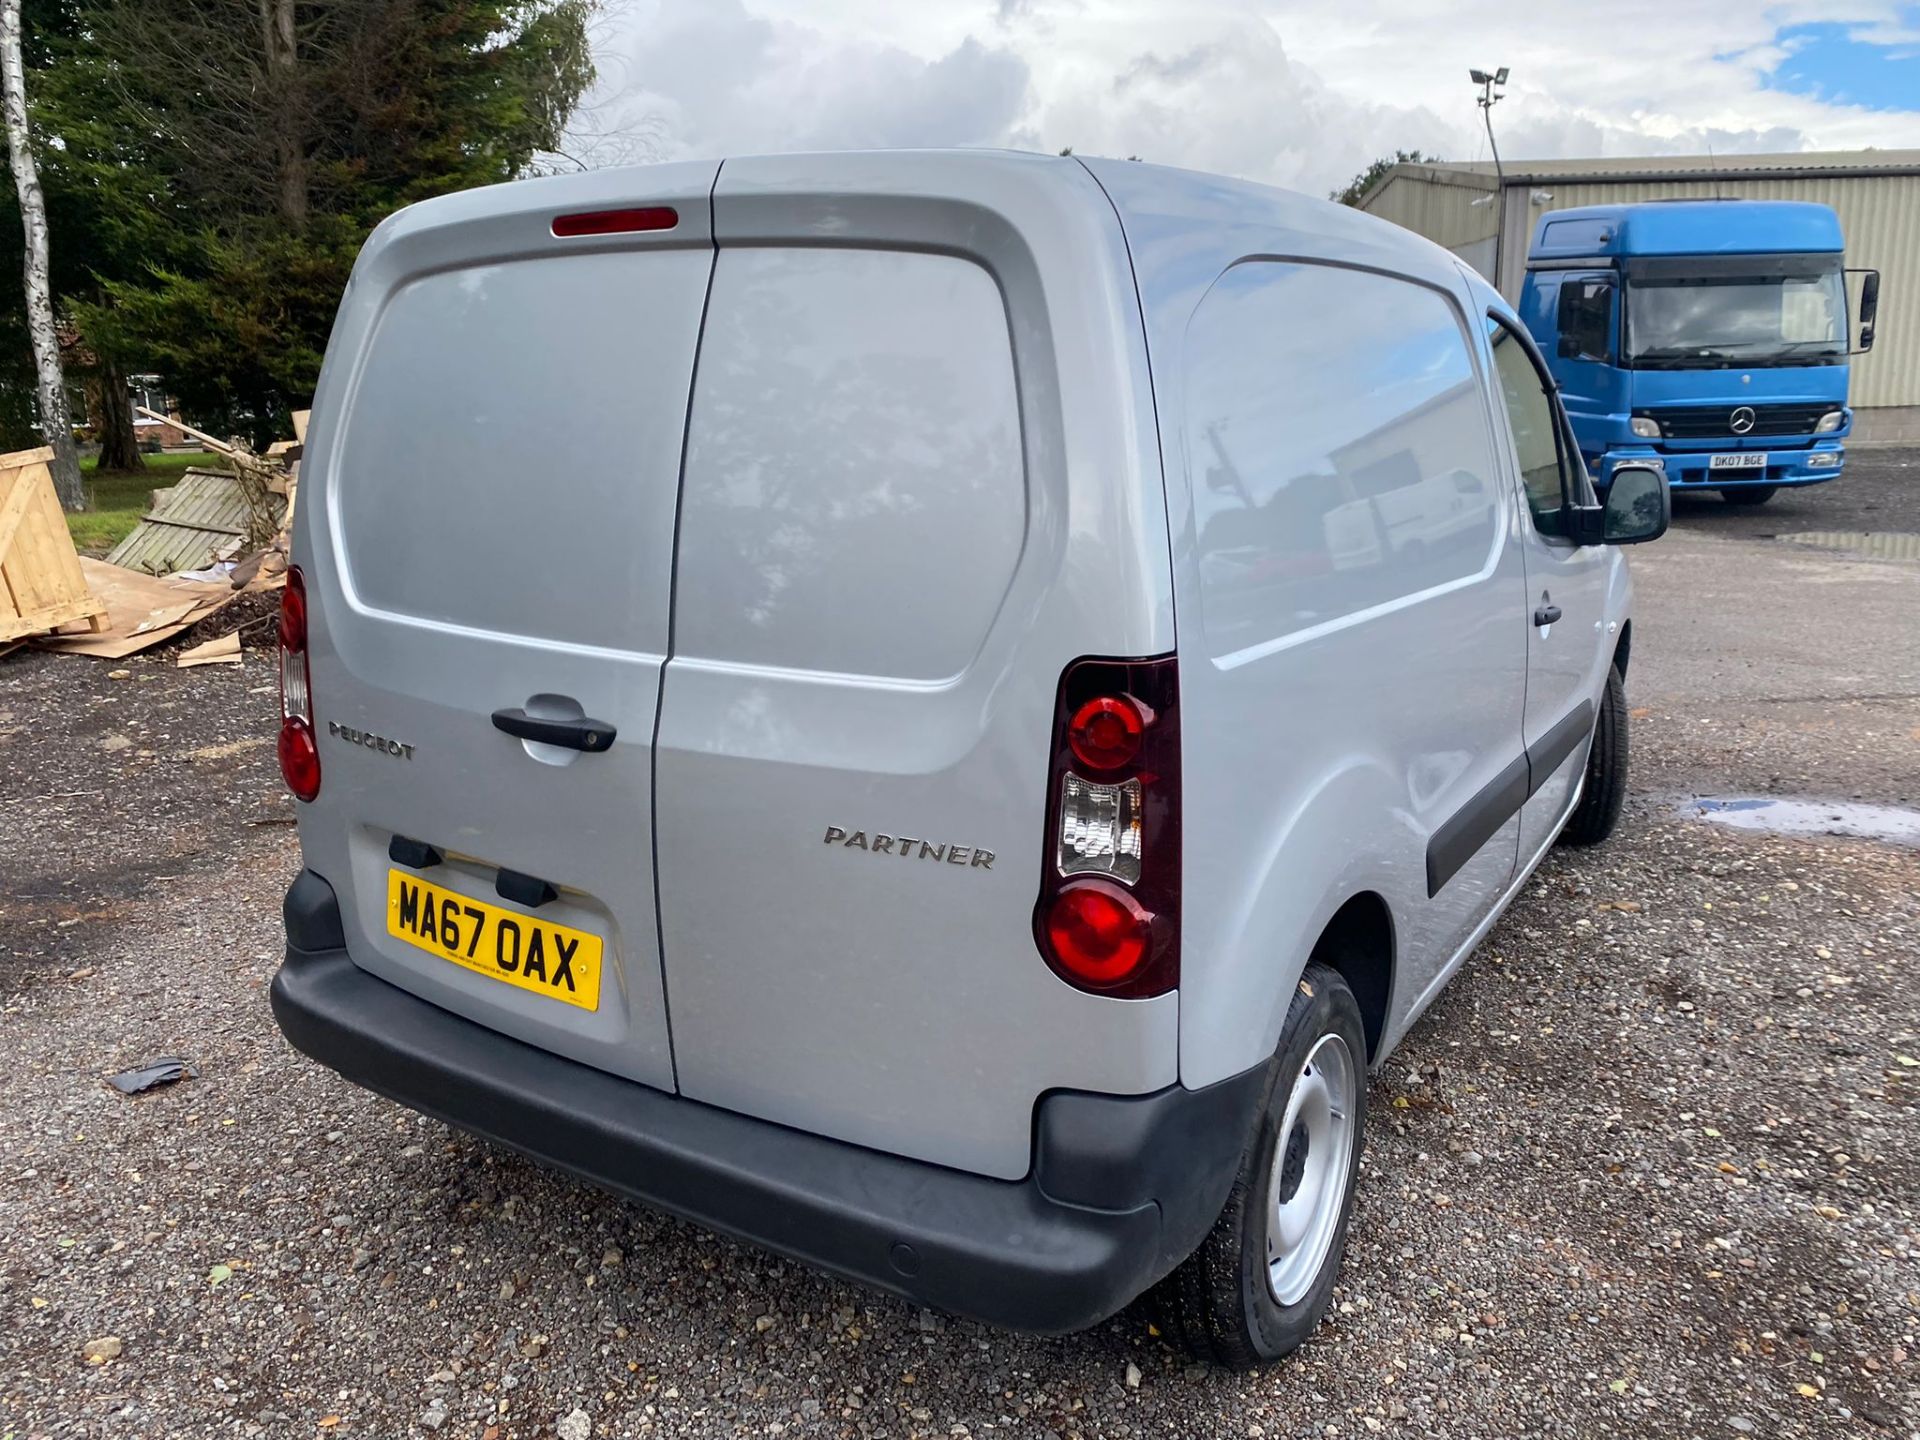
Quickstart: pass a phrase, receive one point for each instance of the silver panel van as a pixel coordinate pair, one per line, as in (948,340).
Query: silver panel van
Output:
(935,712)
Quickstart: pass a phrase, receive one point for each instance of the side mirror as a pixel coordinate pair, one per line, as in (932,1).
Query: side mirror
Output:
(1869,305)
(1638,506)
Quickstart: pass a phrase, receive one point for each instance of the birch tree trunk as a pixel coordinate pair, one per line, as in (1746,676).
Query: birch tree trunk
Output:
(54,419)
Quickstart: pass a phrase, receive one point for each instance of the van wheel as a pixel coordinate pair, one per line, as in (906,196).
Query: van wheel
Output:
(1749,495)
(1605,790)
(1261,1281)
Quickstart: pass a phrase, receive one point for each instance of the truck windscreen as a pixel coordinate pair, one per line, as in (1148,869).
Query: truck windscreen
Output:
(1703,311)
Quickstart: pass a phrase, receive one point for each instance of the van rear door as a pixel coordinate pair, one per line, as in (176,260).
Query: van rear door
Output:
(490,497)
(915,491)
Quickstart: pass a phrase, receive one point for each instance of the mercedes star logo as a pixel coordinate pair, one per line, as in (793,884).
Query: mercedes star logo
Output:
(1742,420)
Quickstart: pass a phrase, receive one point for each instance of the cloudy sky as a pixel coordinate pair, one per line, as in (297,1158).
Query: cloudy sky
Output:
(1295,92)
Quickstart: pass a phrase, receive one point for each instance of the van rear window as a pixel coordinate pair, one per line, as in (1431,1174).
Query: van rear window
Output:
(854,457)
(512,446)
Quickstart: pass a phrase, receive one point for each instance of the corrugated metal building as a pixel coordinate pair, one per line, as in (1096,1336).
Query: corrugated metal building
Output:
(1875,192)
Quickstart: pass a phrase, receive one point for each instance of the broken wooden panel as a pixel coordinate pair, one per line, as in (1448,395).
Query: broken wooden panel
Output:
(140,610)
(41,583)
(210,515)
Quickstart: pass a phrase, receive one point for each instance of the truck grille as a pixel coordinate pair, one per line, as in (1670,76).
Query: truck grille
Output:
(1715,422)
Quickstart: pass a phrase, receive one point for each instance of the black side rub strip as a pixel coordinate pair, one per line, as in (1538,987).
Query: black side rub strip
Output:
(1475,823)
(1558,743)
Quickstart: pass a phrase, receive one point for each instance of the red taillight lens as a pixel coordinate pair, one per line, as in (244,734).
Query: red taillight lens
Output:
(1108,915)
(617,222)
(293,613)
(1105,732)
(299,751)
(299,758)
(1098,932)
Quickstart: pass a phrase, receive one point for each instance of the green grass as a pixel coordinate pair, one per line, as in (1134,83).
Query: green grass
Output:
(117,499)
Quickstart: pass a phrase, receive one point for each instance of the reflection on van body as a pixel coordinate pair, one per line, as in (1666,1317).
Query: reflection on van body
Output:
(1337,404)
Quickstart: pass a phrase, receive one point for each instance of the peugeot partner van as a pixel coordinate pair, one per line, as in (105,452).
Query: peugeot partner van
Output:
(934,712)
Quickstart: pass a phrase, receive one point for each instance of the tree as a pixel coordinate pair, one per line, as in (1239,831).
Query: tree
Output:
(1355,189)
(226,159)
(50,382)
(97,181)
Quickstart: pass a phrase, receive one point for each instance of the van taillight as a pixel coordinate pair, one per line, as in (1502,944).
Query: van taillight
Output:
(299,751)
(617,222)
(1109,913)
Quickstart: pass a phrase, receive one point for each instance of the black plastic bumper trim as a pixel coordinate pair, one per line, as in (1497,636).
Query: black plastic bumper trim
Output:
(312,914)
(1029,1255)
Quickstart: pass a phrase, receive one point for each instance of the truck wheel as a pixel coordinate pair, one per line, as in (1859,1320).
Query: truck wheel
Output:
(1606,783)
(1749,495)
(1261,1281)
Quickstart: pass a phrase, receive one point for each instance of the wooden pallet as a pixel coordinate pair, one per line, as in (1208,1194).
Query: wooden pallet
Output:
(41,587)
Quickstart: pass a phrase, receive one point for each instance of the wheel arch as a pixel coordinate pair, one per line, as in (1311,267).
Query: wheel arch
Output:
(1358,945)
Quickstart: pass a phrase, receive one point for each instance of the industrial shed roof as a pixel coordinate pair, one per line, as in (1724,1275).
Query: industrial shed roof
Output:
(1664,167)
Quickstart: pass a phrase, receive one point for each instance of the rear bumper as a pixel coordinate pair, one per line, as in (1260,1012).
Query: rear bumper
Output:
(1122,1188)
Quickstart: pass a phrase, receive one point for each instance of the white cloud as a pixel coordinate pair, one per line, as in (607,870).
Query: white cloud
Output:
(719,78)
(1295,92)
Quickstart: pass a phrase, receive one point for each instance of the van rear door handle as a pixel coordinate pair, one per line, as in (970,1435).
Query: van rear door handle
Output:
(590,735)
(1545,615)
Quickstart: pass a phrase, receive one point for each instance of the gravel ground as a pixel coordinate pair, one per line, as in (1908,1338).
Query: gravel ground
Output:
(1874,493)
(1649,1167)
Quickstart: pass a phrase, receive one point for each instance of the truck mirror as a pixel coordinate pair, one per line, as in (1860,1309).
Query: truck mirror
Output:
(1638,506)
(1869,304)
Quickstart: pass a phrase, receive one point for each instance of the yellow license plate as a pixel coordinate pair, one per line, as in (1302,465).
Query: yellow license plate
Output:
(551,960)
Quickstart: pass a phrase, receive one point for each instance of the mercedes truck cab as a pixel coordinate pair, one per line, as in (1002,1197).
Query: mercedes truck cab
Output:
(1708,336)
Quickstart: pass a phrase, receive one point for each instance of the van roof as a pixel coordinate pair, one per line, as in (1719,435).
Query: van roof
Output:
(1177,230)
(1685,227)
(1155,203)
(1185,228)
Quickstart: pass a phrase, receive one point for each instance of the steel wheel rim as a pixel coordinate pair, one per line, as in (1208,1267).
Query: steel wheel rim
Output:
(1307,1186)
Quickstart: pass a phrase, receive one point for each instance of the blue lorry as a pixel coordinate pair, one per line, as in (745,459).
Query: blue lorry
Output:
(1711,336)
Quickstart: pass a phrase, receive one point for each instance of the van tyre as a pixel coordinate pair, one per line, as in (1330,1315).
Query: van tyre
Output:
(1605,790)
(1749,495)
(1261,1281)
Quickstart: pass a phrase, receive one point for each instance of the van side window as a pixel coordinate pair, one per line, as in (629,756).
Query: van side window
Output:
(1337,448)
(1586,317)
(1535,425)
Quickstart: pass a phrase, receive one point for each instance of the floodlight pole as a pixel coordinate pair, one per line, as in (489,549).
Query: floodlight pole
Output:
(1490,96)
